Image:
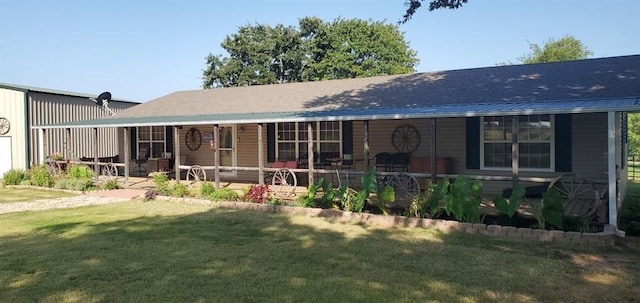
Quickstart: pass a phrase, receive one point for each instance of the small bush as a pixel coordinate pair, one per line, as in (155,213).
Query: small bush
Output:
(276,201)
(61,184)
(75,184)
(257,194)
(25,182)
(630,211)
(224,194)
(14,177)
(162,184)
(206,189)
(41,176)
(111,184)
(180,190)
(79,172)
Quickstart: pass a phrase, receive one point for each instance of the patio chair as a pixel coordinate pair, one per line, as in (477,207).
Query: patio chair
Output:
(400,162)
(142,159)
(383,161)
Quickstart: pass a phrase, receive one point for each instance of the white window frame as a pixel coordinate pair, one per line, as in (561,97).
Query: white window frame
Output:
(316,138)
(151,141)
(552,151)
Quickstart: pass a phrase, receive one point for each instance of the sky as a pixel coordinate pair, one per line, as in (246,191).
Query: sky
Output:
(141,50)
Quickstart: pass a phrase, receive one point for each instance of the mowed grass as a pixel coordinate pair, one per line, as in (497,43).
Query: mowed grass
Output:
(169,252)
(8,195)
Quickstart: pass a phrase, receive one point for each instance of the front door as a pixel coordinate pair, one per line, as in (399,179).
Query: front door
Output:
(227,148)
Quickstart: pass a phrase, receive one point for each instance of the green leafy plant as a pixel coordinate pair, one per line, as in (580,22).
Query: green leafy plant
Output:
(464,199)
(14,177)
(207,189)
(383,195)
(511,206)
(41,176)
(352,200)
(276,201)
(80,172)
(429,203)
(550,210)
(179,190)
(111,184)
(74,184)
(161,182)
(309,199)
(224,194)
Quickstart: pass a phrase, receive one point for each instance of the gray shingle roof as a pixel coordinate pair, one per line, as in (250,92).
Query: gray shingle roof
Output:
(589,85)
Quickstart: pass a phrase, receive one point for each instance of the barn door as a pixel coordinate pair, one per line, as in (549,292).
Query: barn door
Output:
(5,155)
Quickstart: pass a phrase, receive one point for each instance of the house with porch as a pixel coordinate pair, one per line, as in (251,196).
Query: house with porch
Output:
(502,124)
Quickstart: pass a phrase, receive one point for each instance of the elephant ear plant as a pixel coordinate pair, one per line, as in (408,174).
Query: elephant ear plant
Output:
(509,208)
(384,194)
(464,200)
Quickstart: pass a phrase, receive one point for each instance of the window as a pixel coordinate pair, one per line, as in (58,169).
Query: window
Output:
(152,138)
(291,141)
(534,142)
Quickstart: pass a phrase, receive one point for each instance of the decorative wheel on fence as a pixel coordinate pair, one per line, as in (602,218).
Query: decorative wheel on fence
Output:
(284,182)
(195,175)
(406,187)
(110,172)
(579,194)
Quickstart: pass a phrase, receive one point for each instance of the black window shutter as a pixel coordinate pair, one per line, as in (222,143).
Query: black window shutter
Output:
(271,142)
(563,142)
(133,142)
(347,137)
(473,142)
(169,139)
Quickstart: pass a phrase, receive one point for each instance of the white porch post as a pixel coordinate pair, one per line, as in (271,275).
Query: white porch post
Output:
(95,155)
(127,155)
(611,165)
(260,156)
(515,160)
(216,152)
(176,152)
(366,143)
(67,150)
(310,157)
(40,146)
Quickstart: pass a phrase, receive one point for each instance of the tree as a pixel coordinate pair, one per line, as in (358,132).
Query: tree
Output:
(260,54)
(633,131)
(414,5)
(566,49)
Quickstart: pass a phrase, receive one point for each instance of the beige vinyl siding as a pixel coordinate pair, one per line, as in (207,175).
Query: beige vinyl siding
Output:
(12,107)
(47,108)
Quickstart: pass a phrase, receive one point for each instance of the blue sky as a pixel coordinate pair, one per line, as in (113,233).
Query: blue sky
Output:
(141,50)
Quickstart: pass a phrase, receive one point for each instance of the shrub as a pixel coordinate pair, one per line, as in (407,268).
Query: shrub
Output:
(14,177)
(206,189)
(224,194)
(162,184)
(257,193)
(180,190)
(79,172)
(25,182)
(41,176)
(74,184)
(111,184)
(427,204)
(630,211)
(276,201)
(464,199)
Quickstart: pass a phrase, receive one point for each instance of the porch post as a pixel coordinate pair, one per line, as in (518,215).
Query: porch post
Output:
(611,164)
(68,144)
(434,171)
(41,146)
(515,161)
(216,152)
(127,155)
(95,154)
(366,143)
(260,156)
(310,152)
(176,152)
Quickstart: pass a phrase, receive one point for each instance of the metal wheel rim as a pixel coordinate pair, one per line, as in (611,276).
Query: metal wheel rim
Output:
(405,186)
(110,171)
(576,192)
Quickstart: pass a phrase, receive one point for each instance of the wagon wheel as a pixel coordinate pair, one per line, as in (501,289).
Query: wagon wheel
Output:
(406,138)
(579,194)
(193,138)
(110,172)
(406,187)
(5,126)
(284,182)
(195,175)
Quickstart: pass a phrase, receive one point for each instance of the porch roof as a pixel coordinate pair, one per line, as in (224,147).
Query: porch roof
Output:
(582,86)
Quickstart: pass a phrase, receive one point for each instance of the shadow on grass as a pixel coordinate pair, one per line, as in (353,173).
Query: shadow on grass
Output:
(245,256)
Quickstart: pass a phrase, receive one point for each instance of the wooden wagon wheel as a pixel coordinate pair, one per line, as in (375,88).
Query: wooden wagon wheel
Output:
(405,138)
(406,187)
(193,139)
(110,172)
(195,175)
(5,126)
(284,182)
(579,194)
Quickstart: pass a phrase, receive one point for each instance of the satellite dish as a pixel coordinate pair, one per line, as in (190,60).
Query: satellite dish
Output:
(103,98)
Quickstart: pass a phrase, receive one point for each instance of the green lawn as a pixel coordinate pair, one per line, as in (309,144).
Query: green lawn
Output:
(169,252)
(8,195)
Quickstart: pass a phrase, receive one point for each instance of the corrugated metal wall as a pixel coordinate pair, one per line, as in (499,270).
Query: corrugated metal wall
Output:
(12,108)
(50,109)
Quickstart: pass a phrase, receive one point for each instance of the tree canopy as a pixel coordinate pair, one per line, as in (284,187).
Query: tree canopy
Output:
(316,50)
(414,5)
(566,49)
